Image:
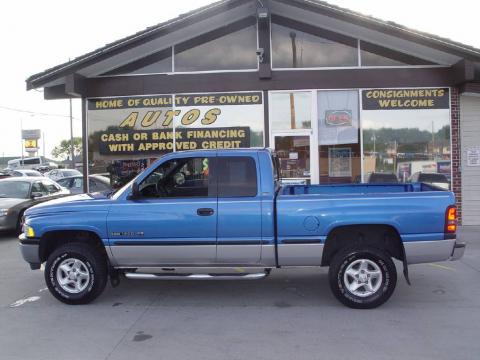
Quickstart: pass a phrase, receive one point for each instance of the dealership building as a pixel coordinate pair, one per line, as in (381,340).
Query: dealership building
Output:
(339,95)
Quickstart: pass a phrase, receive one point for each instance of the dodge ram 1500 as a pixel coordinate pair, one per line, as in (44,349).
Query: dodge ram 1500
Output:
(202,214)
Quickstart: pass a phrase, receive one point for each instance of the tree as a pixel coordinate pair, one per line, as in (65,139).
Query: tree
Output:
(63,150)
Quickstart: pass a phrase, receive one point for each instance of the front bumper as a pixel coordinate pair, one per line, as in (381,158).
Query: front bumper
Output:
(458,250)
(29,248)
(7,223)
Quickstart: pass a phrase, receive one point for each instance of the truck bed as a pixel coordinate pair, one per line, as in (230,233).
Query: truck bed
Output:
(308,213)
(356,189)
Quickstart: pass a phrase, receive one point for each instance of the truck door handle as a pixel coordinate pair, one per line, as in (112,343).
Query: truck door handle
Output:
(205,212)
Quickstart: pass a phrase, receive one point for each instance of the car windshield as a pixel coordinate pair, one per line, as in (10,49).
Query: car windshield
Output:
(32,173)
(71,173)
(383,178)
(14,189)
(433,178)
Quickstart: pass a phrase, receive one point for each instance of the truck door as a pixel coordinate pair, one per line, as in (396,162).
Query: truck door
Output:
(239,230)
(174,222)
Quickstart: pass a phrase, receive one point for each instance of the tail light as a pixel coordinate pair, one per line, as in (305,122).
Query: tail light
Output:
(451,220)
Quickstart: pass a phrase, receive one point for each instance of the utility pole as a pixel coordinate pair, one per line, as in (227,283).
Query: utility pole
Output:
(72,152)
(433,142)
(21,137)
(43,141)
(293,36)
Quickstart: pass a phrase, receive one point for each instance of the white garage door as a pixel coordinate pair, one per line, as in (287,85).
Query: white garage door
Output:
(470,140)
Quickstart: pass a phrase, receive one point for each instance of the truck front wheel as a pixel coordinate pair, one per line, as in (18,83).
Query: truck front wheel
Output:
(75,273)
(362,278)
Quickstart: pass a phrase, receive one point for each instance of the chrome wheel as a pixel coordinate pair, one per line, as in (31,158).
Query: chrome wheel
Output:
(73,275)
(363,277)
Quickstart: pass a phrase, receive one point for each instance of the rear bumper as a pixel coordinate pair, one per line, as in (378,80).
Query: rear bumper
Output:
(418,252)
(458,250)
(30,252)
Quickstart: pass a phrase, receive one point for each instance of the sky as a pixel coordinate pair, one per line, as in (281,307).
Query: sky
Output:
(37,35)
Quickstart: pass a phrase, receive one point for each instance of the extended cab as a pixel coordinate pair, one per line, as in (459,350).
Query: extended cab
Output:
(204,214)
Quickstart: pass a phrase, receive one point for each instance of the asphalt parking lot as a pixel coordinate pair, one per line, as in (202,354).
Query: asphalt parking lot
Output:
(290,315)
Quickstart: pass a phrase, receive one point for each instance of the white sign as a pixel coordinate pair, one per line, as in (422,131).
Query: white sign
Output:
(31,134)
(473,157)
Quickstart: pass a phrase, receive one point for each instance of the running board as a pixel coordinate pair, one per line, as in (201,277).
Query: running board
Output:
(143,276)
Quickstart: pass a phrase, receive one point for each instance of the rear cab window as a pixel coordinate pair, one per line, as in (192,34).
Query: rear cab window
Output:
(237,176)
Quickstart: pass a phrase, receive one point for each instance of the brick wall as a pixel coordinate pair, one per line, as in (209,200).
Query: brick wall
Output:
(455,151)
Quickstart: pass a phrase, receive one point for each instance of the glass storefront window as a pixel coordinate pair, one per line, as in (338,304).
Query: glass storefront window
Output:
(158,67)
(127,133)
(234,51)
(406,132)
(291,110)
(292,48)
(294,156)
(375,55)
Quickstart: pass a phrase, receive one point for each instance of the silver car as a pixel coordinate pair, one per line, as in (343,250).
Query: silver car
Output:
(19,193)
(58,174)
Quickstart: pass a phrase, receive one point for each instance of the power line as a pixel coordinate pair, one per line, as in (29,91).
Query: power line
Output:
(34,112)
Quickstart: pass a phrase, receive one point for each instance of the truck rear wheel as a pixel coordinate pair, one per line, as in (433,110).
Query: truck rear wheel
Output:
(362,278)
(76,274)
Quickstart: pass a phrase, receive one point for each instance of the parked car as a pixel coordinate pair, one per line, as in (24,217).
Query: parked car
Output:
(4,174)
(57,174)
(19,193)
(381,178)
(23,173)
(226,209)
(435,179)
(96,183)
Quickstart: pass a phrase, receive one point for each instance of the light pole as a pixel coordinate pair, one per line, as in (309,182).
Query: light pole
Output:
(72,153)
(21,137)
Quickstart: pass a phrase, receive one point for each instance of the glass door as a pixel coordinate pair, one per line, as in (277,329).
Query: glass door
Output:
(293,152)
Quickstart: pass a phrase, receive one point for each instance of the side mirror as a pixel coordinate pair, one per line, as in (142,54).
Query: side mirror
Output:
(36,195)
(135,191)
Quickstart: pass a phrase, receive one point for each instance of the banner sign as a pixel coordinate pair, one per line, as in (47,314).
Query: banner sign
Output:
(33,134)
(473,156)
(405,99)
(31,144)
(152,124)
(339,162)
(338,117)
(134,102)
(154,141)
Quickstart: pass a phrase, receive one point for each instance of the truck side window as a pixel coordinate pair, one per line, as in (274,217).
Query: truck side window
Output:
(179,178)
(237,177)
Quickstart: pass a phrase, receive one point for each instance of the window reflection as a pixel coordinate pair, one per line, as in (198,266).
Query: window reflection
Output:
(296,49)
(235,51)
(160,66)
(406,143)
(291,110)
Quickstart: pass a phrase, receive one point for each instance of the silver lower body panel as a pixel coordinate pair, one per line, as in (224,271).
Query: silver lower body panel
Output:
(300,254)
(146,256)
(419,252)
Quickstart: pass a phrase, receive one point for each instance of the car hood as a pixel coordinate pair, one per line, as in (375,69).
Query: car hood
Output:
(82,202)
(7,203)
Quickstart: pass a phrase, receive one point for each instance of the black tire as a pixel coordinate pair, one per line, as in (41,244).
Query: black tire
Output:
(340,264)
(19,226)
(93,261)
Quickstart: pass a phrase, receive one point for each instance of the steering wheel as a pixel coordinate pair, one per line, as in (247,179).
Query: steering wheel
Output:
(160,188)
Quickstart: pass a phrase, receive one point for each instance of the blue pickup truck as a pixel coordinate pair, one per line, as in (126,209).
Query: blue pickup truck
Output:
(205,214)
